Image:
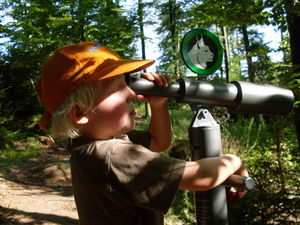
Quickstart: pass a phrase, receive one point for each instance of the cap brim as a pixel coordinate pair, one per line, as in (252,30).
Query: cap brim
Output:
(119,67)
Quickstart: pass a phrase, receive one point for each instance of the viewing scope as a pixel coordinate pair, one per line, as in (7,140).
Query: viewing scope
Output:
(238,96)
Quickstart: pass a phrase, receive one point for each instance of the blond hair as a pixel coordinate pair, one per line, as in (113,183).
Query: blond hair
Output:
(63,126)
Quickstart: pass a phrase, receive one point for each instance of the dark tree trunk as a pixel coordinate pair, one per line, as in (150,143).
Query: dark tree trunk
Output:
(248,55)
(293,20)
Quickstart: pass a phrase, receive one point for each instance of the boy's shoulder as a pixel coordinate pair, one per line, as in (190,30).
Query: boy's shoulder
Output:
(91,145)
(133,137)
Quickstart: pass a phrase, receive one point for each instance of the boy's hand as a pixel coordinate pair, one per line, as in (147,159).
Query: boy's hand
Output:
(160,80)
(234,194)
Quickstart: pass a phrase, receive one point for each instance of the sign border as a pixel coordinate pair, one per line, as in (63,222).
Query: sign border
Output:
(184,51)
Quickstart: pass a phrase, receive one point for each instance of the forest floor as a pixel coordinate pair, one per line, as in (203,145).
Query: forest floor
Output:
(38,191)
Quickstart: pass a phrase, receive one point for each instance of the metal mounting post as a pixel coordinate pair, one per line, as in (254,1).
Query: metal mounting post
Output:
(205,141)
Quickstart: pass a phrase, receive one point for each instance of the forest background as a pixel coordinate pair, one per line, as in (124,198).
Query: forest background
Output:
(30,31)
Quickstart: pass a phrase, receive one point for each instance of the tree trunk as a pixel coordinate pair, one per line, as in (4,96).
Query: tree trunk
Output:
(141,24)
(258,117)
(248,56)
(227,55)
(278,153)
(143,45)
(175,45)
(293,19)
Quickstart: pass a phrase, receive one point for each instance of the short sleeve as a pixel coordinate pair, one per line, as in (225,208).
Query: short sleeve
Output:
(144,178)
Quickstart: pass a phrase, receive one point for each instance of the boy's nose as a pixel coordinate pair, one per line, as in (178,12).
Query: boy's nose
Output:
(131,94)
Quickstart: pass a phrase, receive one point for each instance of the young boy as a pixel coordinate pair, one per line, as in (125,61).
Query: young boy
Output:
(117,175)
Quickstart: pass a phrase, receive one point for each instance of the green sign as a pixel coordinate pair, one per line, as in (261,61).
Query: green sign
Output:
(201,51)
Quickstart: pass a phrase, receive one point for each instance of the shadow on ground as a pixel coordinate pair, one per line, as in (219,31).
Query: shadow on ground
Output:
(49,173)
(36,218)
(49,170)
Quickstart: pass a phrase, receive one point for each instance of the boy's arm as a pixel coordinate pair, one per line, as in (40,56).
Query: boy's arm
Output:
(207,173)
(160,126)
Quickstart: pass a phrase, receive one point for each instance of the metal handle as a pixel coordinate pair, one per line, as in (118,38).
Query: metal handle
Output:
(239,182)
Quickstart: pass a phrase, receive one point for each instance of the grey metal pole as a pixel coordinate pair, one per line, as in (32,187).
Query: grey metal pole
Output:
(205,141)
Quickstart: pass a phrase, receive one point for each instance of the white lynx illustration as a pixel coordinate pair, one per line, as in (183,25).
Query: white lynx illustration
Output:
(200,54)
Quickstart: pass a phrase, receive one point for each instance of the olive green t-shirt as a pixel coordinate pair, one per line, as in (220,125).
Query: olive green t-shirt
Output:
(121,182)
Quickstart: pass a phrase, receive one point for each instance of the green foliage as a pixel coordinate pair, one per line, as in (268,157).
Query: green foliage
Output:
(29,152)
(173,25)
(181,120)
(182,210)
(229,13)
(18,150)
(269,151)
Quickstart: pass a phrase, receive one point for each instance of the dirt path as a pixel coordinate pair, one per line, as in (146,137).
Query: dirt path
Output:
(38,192)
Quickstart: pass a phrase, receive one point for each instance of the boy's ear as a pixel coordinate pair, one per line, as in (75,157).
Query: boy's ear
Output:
(77,115)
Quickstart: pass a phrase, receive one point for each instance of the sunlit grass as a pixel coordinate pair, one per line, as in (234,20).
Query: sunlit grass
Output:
(19,154)
(24,154)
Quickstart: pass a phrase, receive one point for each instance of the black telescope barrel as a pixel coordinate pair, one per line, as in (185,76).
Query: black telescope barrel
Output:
(148,88)
(207,93)
(263,99)
(239,96)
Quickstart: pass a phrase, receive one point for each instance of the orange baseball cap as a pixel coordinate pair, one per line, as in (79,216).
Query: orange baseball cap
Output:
(77,64)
